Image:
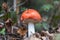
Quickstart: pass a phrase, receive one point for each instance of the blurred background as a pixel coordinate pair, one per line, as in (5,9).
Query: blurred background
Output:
(48,9)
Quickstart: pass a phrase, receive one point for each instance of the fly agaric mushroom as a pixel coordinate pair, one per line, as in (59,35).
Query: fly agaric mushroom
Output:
(30,16)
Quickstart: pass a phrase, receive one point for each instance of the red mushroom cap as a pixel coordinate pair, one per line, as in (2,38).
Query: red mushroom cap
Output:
(30,14)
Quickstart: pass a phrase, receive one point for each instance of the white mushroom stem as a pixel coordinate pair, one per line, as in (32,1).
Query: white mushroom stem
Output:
(31,29)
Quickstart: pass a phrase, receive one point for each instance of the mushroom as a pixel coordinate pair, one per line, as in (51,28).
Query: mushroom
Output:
(30,17)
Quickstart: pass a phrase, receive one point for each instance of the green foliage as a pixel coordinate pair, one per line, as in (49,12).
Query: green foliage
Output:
(23,9)
(40,26)
(11,15)
(46,7)
(36,4)
(14,17)
(56,19)
(2,31)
